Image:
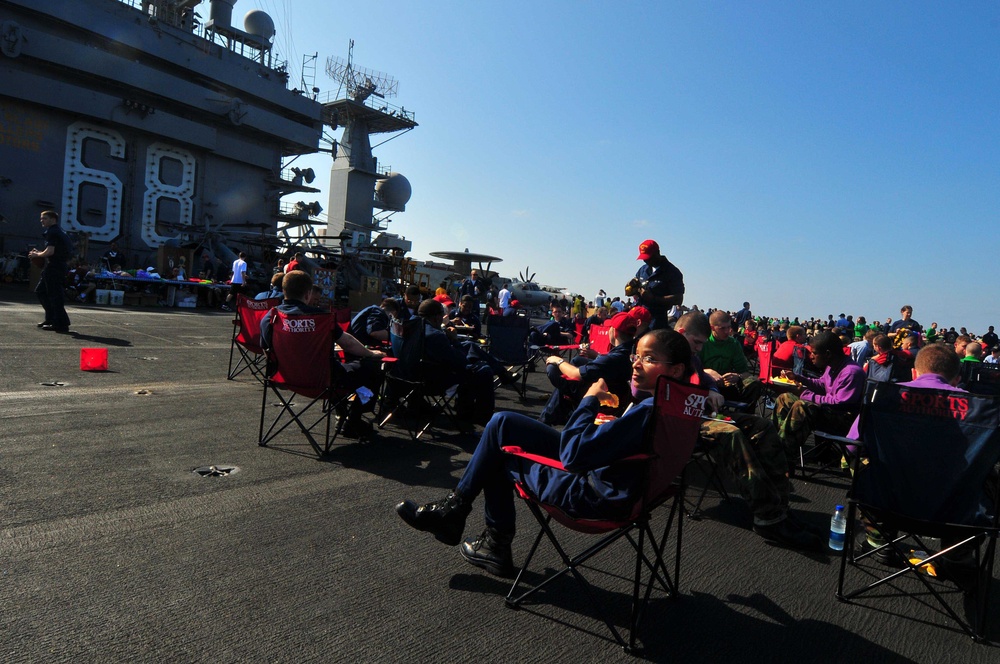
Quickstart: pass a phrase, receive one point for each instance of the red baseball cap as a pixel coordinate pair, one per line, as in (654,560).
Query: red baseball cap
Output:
(641,314)
(648,249)
(623,322)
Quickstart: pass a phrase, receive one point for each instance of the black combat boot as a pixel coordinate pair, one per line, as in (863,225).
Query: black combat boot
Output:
(490,551)
(444,518)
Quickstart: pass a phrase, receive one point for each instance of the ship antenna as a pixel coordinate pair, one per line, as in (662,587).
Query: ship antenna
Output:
(360,83)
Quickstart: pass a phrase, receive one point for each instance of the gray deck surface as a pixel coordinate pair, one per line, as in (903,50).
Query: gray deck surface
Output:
(112,550)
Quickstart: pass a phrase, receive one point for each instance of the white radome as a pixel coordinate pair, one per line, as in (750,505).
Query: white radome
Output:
(258,23)
(394,191)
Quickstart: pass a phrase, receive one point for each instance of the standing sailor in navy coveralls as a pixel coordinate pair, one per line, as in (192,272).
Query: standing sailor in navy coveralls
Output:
(592,487)
(661,284)
(58,248)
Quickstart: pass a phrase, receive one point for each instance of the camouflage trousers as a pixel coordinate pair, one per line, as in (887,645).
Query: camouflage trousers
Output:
(796,419)
(747,390)
(751,449)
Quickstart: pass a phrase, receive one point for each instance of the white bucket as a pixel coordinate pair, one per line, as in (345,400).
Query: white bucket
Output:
(101,296)
(116,298)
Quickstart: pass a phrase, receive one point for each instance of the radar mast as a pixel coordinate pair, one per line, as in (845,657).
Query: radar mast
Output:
(357,184)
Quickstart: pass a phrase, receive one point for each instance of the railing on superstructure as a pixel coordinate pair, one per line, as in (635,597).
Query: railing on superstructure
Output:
(181,15)
(374,103)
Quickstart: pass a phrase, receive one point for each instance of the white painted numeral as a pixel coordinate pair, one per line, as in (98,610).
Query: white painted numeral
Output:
(76,174)
(156,190)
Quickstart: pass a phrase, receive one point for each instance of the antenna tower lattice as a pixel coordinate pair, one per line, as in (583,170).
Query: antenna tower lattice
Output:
(360,82)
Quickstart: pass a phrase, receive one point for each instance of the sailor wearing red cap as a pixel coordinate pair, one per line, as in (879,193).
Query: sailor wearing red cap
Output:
(660,284)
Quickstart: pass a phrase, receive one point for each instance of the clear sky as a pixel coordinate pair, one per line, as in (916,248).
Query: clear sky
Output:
(810,157)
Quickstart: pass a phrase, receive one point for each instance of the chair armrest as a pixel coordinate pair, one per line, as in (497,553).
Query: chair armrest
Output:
(560,348)
(555,463)
(839,439)
(514,450)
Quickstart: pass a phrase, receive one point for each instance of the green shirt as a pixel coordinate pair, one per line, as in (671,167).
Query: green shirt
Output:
(724,356)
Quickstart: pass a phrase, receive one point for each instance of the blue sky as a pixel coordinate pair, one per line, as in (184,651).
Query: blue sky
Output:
(810,157)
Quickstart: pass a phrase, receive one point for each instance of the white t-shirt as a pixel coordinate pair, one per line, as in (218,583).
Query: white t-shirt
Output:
(504,301)
(239,270)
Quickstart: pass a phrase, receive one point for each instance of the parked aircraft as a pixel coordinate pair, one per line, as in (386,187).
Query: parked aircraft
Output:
(528,293)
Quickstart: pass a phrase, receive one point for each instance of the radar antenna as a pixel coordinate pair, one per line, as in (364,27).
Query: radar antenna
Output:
(359,82)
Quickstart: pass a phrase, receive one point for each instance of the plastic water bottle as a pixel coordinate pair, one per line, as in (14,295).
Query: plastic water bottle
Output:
(838,526)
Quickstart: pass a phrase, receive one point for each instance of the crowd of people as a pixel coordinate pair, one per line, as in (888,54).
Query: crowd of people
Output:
(649,334)
(826,365)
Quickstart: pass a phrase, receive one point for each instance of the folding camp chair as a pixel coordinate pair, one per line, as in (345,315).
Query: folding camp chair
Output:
(409,385)
(669,441)
(894,370)
(799,361)
(600,341)
(343,316)
(826,454)
(981,378)
(705,464)
(508,338)
(828,451)
(302,360)
(539,345)
(246,337)
(765,358)
(929,455)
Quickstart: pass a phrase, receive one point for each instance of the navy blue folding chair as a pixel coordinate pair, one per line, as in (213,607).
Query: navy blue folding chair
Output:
(508,338)
(926,469)
(411,384)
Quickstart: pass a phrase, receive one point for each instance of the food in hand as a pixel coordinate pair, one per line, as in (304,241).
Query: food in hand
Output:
(609,400)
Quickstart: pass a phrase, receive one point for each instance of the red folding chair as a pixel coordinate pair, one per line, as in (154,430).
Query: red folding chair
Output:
(246,337)
(669,442)
(600,341)
(343,316)
(765,357)
(302,360)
